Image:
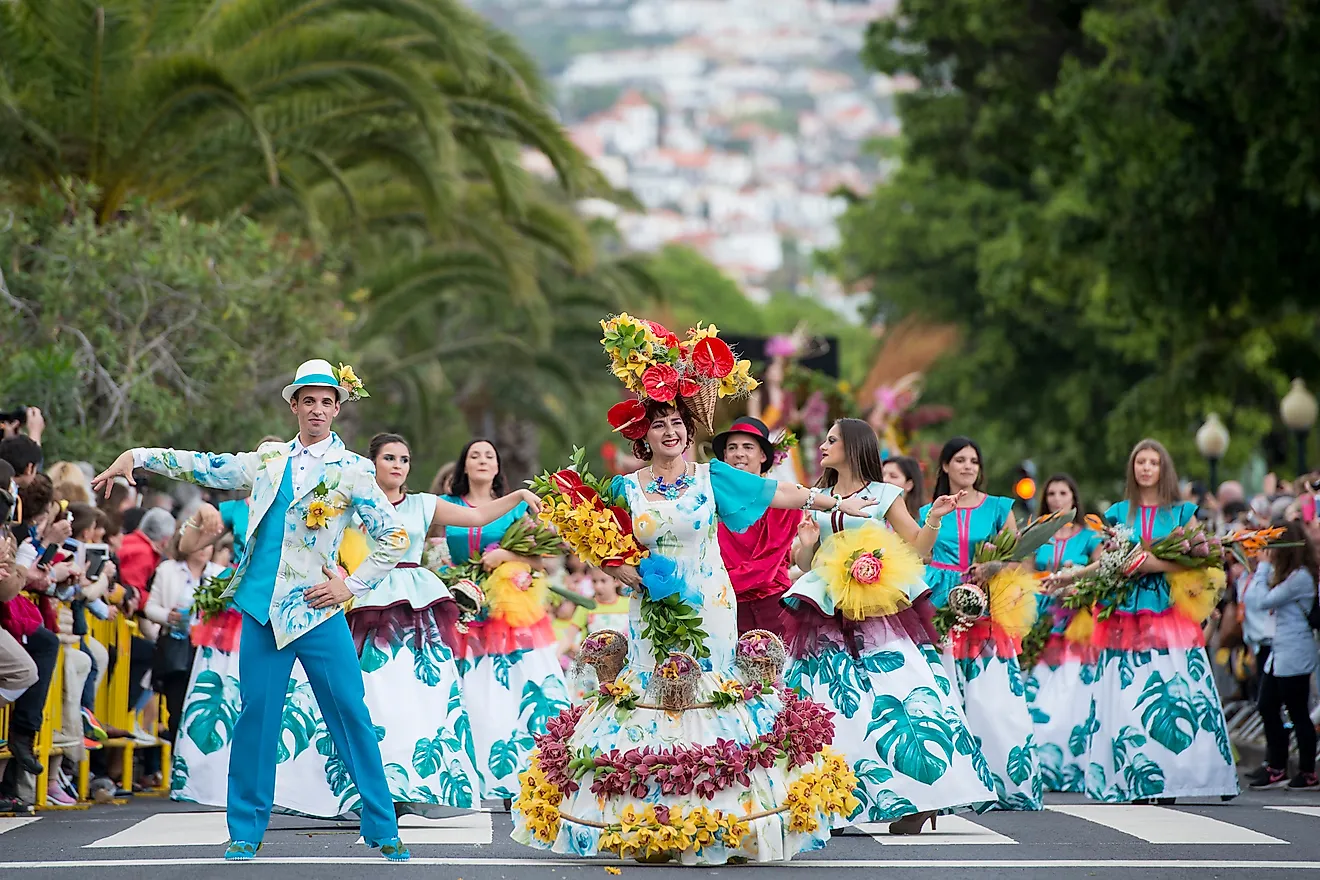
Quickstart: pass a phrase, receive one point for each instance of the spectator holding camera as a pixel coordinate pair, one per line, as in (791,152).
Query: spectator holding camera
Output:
(21,420)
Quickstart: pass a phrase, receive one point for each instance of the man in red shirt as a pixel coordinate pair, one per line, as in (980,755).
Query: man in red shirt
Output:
(142,550)
(758,558)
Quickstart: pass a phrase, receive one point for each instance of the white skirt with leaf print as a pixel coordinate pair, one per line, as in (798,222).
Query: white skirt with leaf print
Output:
(899,725)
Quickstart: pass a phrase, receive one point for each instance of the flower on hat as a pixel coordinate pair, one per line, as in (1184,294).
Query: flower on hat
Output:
(628,418)
(661,382)
(348,380)
(713,358)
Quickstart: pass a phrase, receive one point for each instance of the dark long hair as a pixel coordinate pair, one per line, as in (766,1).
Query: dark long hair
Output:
(861,448)
(952,448)
(1166,489)
(380,441)
(1289,559)
(915,497)
(1042,505)
(459,486)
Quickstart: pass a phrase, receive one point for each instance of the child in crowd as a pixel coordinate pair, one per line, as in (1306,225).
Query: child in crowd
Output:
(611,611)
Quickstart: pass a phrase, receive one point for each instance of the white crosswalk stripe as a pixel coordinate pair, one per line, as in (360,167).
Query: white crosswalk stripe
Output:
(16,822)
(1313,812)
(1163,825)
(949,829)
(473,828)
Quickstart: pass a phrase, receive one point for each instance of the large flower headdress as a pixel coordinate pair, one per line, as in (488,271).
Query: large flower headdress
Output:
(653,363)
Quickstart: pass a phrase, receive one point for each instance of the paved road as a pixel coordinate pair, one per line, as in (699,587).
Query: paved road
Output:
(1256,835)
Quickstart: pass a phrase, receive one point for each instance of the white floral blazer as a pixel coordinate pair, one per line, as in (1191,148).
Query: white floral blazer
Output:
(313,526)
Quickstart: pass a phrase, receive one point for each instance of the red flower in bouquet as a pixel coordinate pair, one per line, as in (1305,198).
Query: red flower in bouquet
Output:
(667,336)
(713,358)
(661,382)
(688,387)
(629,418)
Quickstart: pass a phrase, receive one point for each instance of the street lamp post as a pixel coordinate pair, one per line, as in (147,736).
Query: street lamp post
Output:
(1298,409)
(1212,442)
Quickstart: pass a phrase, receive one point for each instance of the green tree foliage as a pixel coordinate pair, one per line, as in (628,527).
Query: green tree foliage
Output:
(1118,199)
(153,327)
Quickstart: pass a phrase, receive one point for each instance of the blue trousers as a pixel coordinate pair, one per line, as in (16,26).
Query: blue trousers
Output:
(330,661)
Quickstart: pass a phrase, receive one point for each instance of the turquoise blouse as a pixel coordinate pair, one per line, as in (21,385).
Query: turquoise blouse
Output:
(469,544)
(1150,524)
(961,532)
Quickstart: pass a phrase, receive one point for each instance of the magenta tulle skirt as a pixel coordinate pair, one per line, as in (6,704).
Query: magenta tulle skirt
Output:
(439,619)
(807,631)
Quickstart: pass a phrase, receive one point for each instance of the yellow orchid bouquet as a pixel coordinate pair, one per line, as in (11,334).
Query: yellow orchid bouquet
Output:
(349,381)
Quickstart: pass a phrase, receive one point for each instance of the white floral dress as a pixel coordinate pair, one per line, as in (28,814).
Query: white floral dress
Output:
(684,532)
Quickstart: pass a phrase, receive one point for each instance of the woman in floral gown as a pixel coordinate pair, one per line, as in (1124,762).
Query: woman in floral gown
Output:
(983,658)
(651,790)
(1060,685)
(896,719)
(508,656)
(1158,729)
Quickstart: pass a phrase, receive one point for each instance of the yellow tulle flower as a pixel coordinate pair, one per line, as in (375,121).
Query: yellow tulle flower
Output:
(516,595)
(1195,593)
(1081,627)
(899,565)
(1013,600)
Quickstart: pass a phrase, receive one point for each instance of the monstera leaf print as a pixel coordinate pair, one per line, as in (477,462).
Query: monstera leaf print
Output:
(431,753)
(396,776)
(915,738)
(1126,671)
(538,707)
(1020,763)
(212,711)
(503,663)
(1014,673)
(429,664)
(883,661)
(872,772)
(1196,664)
(1033,688)
(966,744)
(838,672)
(1127,736)
(178,774)
(888,807)
(1211,719)
(799,674)
(505,754)
(1143,777)
(1168,714)
(1050,757)
(1079,741)
(297,723)
(1074,779)
(1039,715)
(455,786)
(1095,781)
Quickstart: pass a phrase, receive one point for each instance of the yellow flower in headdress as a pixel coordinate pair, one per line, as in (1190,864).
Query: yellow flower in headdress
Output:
(349,380)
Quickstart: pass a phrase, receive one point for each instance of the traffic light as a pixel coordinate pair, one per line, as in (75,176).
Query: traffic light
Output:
(1024,487)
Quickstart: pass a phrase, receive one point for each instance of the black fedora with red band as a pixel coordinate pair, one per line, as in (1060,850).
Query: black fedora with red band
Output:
(752,427)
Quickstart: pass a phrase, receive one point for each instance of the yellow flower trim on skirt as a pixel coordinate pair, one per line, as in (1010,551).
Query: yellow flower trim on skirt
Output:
(516,594)
(1013,600)
(1196,592)
(899,566)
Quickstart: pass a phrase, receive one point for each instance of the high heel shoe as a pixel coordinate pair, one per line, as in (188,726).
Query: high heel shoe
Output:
(913,824)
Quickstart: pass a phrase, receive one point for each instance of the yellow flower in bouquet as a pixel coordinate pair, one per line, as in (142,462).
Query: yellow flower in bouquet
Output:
(1013,600)
(1081,627)
(1195,592)
(517,595)
(867,571)
(740,381)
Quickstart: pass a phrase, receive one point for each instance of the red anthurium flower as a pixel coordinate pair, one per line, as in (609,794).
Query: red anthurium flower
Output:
(712,357)
(565,480)
(661,382)
(624,520)
(628,418)
(579,494)
(688,387)
(670,338)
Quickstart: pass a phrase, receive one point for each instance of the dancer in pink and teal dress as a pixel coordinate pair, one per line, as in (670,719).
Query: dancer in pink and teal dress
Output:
(897,720)
(1159,730)
(983,658)
(1060,685)
(508,656)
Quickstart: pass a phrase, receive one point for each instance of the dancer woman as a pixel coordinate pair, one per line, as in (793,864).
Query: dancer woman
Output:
(508,656)
(905,473)
(699,814)
(877,673)
(984,657)
(1059,686)
(1159,729)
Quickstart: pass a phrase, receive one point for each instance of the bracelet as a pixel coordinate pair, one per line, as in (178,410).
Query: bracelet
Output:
(812,494)
(838,503)
(1135,564)
(934,523)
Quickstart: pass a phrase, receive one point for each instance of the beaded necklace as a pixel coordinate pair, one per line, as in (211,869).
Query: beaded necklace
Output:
(669,491)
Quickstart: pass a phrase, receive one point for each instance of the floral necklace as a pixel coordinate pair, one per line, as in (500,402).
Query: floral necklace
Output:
(668,491)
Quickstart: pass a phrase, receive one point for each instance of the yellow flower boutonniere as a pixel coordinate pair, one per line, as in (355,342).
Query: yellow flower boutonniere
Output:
(348,379)
(319,513)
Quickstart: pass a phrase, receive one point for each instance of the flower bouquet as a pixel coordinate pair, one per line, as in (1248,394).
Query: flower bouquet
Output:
(218,622)
(588,515)
(760,657)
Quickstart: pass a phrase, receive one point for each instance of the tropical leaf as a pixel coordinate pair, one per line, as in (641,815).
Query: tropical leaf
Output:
(537,706)
(839,673)
(1074,779)
(504,757)
(1167,711)
(1014,673)
(872,772)
(915,738)
(1126,673)
(212,711)
(1050,758)
(1079,741)
(298,723)
(178,774)
(1095,781)
(1210,716)
(1196,663)
(883,661)
(428,755)
(1127,736)
(1020,764)
(1143,777)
